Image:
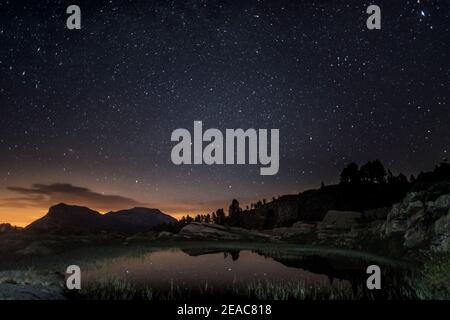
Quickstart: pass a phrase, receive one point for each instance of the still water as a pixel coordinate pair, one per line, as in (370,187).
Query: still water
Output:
(218,269)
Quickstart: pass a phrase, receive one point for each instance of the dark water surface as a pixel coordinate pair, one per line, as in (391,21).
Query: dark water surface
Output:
(170,267)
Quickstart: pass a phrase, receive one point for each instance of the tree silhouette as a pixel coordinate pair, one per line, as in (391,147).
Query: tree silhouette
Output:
(220,216)
(350,174)
(373,172)
(189,219)
(234,212)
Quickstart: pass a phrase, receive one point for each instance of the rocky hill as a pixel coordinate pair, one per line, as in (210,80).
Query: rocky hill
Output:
(313,205)
(359,195)
(68,218)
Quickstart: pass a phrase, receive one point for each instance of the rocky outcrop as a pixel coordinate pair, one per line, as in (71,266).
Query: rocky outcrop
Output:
(217,232)
(422,219)
(372,199)
(376,214)
(31,285)
(339,226)
(343,220)
(300,229)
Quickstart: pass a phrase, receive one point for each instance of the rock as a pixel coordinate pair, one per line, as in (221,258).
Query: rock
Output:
(443,202)
(341,227)
(441,234)
(341,219)
(396,221)
(212,231)
(298,229)
(31,285)
(165,234)
(417,232)
(9,291)
(421,219)
(303,225)
(376,214)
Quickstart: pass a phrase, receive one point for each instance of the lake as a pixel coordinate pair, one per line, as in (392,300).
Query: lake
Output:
(219,271)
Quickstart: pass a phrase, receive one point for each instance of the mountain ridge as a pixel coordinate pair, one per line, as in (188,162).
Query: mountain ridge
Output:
(64,217)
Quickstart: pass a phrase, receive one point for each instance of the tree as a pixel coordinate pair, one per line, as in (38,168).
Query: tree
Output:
(183,221)
(373,172)
(189,219)
(350,174)
(234,212)
(220,216)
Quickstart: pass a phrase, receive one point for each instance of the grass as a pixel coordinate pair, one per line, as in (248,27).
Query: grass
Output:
(261,290)
(115,289)
(434,280)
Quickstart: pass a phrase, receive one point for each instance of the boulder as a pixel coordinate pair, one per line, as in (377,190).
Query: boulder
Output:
(31,285)
(9,291)
(397,218)
(376,214)
(341,227)
(440,240)
(341,219)
(298,229)
(422,219)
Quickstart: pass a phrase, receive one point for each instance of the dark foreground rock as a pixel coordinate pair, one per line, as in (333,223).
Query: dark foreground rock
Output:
(31,285)
(422,219)
(10,291)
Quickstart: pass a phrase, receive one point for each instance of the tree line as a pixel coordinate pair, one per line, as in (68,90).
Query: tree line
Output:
(370,173)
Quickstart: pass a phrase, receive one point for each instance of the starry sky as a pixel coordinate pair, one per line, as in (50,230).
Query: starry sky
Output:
(86,115)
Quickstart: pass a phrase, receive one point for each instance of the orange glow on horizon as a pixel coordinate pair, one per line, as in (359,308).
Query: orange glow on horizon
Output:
(22,217)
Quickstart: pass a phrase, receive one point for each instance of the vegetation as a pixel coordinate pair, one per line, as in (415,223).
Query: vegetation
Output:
(115,289)
(435,277)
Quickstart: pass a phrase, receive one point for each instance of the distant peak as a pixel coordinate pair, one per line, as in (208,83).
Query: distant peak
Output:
(143,208)
(61,204)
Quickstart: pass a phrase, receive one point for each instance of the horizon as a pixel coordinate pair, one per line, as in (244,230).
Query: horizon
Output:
(87,114)
(207,208)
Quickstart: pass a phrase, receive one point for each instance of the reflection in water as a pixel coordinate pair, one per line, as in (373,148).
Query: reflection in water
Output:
(200,269)
(217,269)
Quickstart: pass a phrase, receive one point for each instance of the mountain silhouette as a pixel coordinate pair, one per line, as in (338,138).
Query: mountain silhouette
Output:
(137,219)
(66,218)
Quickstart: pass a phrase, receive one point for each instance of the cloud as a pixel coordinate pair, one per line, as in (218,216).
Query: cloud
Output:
(46,195)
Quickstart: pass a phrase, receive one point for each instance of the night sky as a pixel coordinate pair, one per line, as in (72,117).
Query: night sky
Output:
(86,115)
